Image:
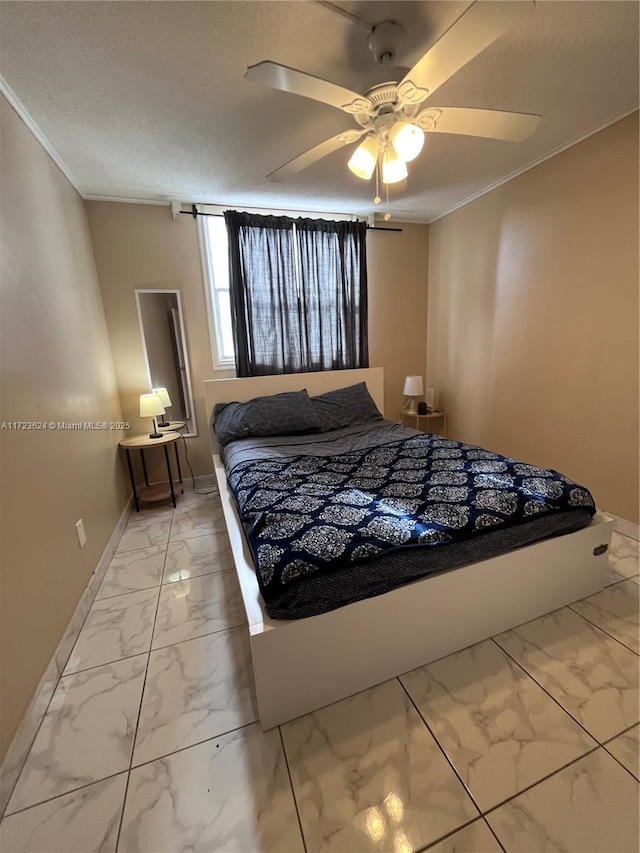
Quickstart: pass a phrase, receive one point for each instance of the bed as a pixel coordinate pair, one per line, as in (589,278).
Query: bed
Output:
(302,664)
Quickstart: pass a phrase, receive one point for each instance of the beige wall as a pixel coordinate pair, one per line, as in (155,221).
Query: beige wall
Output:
(398,267)
(533,316)
(141,246)
(55,366)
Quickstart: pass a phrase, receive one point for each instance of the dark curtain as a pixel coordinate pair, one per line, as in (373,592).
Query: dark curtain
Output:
(298,294)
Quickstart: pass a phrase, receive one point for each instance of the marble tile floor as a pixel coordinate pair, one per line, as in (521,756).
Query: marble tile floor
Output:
(524,742)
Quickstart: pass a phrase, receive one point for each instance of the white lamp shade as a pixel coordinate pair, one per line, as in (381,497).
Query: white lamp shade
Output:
(407,140)
(413,386)
(364,158)
(393,168)
(165,399)
(150,406)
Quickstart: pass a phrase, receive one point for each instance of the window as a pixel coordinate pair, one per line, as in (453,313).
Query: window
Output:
(214,248)
(299,291)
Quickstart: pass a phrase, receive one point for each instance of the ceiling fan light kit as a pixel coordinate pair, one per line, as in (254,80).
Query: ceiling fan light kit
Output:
(389,114)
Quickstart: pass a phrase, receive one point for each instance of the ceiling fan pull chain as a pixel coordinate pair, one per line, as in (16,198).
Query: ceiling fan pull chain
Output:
(377,198)
(387,215)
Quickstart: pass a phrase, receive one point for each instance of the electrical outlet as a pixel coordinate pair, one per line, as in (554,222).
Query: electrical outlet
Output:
(82,536)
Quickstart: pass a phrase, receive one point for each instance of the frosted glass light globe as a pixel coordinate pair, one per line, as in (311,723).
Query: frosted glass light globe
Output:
(393,168)
(407,140)
(364,158)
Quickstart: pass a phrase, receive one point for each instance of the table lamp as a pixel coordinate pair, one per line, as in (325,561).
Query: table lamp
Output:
(150,406)
(165,399)
(412,388)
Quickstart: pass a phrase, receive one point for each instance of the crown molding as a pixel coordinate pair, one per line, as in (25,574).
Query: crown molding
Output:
(26,117)
(553,153)
(123,200)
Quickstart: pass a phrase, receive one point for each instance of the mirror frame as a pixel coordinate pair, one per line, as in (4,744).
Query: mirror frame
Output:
(193,433)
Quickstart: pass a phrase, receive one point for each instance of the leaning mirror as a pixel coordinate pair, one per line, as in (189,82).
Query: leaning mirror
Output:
(163,342)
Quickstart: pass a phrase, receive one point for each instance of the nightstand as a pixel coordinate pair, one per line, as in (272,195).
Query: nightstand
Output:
(435,421)
(172,426)
(158,491)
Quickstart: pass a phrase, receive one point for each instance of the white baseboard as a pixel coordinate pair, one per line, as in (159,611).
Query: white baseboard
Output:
(626,528)
(26,732)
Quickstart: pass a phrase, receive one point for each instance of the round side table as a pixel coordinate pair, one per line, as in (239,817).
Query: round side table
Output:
(158,491)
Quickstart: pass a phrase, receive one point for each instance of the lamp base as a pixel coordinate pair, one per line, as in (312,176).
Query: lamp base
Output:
(155,435)
(411,407)
(163,423)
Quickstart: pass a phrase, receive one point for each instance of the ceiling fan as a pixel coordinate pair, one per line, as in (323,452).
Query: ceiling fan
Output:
(390,113)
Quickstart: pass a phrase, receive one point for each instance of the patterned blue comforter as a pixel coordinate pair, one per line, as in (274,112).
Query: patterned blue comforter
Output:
(314,514)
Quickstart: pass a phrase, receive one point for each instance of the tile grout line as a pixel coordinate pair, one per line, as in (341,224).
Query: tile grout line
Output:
(195,577)
(617,760)
(440,747)
(191,745)
(623,732)
(518,793)
(131,767)
(621,579)
(624,645)
(199,637)
(158,648)
(442,838)
(544,689)
(65,794)
(615,757)
(540,781)
(62,674)
(128,770)
(493,832)
(107,662)
(144,684)
(128,592)
(84,622)
(115,660)
(293,790)
(138,589)
(26,758)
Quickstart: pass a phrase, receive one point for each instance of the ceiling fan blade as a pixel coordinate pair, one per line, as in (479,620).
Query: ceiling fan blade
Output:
(299,83)
(316,153)
(491,124)
(478,27)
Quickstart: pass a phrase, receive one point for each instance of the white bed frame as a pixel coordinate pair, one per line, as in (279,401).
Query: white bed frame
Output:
(304,664)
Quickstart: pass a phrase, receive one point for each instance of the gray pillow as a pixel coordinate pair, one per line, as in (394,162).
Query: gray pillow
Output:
(290,413)
(344,407)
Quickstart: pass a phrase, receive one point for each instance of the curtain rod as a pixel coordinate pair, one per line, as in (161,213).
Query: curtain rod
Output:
(195,213)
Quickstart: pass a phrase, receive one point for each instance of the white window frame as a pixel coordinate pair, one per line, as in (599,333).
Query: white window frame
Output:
(213,311)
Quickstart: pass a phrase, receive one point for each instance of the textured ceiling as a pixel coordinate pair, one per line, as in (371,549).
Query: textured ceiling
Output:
(147,100)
